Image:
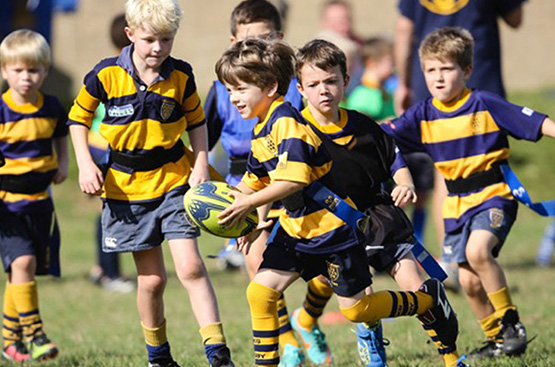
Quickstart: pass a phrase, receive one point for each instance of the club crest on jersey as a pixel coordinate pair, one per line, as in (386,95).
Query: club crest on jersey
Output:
(270,145)
(496,217)
(121,111)
(444,7)
(333,271)
(166,109)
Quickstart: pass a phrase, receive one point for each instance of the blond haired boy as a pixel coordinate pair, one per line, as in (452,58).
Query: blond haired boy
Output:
(33,139)
(465,133)
(151,100)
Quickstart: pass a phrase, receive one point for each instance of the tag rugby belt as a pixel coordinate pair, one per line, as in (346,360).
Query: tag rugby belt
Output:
(28,183)
(149,160)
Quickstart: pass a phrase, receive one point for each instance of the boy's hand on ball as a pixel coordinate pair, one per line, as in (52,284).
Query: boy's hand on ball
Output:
(237,212)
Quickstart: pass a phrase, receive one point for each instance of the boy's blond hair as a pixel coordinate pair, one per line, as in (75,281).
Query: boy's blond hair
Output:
(160,16)
(454,43)
(258,62)
(27,47)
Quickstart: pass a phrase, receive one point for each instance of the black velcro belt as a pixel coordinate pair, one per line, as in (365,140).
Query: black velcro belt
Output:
(237,166)
(2,159)
(149,161)
(25,184)
(476,181)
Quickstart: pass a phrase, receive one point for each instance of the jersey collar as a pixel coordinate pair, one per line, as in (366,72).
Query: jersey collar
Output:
(25,108)
(327,129)
(452,106)
(126,62)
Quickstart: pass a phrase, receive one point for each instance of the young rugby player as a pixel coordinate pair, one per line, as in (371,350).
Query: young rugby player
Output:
(465,133)
(150,99)
(287,156)
(254,19)
(365,157)
(33,140)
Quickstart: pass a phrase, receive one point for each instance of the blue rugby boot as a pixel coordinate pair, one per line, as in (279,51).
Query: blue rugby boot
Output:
(314,341)
(371,345)
(292,356)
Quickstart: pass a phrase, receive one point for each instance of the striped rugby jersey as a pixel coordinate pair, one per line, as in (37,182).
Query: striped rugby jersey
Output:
(465,138)
(26,140)
(140,118)
(285,148)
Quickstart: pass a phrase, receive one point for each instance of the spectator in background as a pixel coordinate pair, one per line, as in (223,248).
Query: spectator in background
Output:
(371,97)
(416,20)
(106,272)
(336,24)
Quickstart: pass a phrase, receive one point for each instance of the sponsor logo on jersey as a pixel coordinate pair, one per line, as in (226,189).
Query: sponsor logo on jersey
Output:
(121,111)
(444,7)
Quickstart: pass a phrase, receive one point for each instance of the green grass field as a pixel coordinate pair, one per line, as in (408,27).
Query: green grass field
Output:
(97,329)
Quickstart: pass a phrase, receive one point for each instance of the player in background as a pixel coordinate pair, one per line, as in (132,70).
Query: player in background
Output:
(465,133)
(33,141)
(151,100)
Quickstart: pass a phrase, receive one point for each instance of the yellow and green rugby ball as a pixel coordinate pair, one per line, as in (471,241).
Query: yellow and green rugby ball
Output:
(205,201)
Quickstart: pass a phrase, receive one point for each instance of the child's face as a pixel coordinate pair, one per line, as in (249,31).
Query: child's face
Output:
(251,101)
(323,89)
(383,67)
(152,48)
(445,79)
(255,30)
(23,79)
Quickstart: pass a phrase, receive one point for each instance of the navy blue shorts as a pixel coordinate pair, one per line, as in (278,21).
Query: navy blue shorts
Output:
(347,270)
(141,226)
(493,220)
(30,234)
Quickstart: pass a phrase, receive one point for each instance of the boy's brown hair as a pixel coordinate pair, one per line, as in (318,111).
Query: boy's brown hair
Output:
(258,62)
(454,43)
(117,32)
(322,54)
(375,48)
(253,11)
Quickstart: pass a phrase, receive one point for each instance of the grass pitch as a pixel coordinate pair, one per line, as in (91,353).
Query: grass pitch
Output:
(97,329)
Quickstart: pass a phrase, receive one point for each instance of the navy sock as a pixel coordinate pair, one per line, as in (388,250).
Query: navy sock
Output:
(211,350)
(158,352)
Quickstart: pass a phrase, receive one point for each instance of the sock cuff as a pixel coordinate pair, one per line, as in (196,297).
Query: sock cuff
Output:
(155,336)
(320,288)
(212,334)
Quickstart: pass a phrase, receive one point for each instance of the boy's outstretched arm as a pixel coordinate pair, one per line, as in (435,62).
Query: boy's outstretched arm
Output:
(90,176)
(403,193)
(199,142)
(548,127)
(60,146)
(244,203)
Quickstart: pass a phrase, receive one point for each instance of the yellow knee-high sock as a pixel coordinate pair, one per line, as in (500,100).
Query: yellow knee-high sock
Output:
(11,329)
(212,334)
(317,297)
(501,301)
(155,336)
(26,300)
(286,334)
(373,307)
(491,326)
(448,353)
(265,324)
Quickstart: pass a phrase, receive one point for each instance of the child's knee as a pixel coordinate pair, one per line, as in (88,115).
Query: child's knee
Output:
(190,272)
(470,283)
(478,256)
(152,284)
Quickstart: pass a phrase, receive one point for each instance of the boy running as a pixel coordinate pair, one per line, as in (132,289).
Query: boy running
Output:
(150,99)
(465,133)
(286,156)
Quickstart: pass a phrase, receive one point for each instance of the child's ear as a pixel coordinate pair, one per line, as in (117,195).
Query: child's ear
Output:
(129,34)
(468,72)
(347,79)
(272,91)
(300,89)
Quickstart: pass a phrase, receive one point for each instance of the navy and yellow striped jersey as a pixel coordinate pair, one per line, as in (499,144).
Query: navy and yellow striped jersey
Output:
(140,118)
(465,138)
(284,148)
(26,140)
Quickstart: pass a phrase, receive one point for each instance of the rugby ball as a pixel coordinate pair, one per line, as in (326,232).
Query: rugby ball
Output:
(205,201)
